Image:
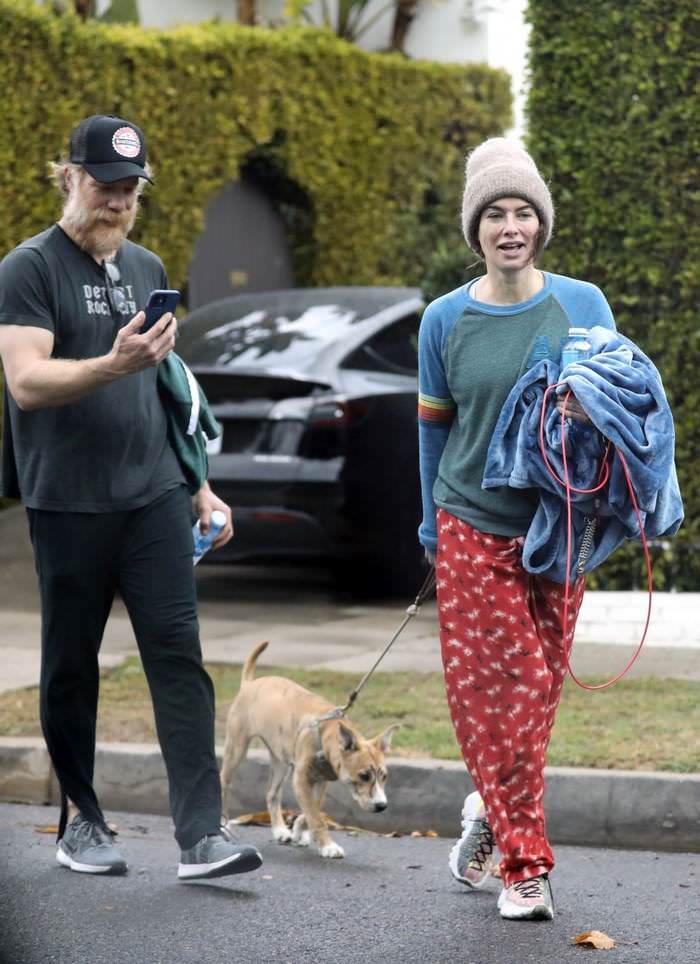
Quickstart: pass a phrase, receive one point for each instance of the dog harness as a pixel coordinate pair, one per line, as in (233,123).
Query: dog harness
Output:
(320,761)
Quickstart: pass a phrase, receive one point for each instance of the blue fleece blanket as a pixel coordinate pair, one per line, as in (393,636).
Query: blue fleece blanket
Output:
(620,390)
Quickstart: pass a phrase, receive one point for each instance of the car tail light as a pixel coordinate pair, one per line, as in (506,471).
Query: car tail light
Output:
(265,515)
(330,414)
(326,411)
(291,409)
(326,429)
(325,419)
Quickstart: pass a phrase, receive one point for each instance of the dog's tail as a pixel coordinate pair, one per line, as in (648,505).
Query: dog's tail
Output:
(249,665)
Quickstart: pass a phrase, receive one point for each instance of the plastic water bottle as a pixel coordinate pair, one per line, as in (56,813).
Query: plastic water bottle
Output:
(576,347)
(202,542)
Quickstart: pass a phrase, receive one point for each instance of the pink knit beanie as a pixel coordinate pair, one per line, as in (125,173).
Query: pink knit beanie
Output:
(502,168)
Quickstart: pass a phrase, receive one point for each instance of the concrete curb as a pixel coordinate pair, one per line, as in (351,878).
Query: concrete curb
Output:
(604,808)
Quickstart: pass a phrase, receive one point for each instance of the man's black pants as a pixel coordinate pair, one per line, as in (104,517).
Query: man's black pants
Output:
(82,559)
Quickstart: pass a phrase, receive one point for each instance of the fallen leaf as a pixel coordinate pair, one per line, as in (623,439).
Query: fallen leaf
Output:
(261,819)
(50,828)
(267,877)
(594,940)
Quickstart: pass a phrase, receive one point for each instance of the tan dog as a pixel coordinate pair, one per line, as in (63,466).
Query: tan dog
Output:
(282,714)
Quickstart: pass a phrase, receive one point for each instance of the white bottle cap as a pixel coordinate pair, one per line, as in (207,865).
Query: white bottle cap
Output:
(218,518)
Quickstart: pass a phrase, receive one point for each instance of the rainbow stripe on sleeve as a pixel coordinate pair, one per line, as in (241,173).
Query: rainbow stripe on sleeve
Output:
(436,410)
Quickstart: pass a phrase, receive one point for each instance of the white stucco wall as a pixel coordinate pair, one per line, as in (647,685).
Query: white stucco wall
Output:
(507,48)
(169,13)
(450,31)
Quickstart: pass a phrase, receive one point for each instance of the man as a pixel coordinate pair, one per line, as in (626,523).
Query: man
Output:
(85,447)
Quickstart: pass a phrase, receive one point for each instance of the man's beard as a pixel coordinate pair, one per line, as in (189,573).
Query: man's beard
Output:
(99,232)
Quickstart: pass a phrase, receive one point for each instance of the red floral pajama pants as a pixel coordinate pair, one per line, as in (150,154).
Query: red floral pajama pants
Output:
(501,640)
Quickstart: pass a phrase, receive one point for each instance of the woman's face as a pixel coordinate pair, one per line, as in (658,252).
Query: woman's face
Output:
(509,233)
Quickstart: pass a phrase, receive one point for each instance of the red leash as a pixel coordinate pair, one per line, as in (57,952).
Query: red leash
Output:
(603,477)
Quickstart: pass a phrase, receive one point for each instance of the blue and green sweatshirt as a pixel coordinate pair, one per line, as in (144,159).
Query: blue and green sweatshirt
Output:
(470,355)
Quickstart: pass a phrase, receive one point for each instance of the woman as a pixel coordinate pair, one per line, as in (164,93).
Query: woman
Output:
(501,629)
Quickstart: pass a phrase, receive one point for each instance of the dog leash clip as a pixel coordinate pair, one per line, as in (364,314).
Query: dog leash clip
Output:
(426,590)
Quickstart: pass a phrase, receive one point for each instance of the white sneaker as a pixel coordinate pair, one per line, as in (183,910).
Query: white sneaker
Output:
(474,855)
(527,900)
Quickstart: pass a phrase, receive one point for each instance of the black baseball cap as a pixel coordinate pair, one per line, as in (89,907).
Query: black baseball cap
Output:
(109,148)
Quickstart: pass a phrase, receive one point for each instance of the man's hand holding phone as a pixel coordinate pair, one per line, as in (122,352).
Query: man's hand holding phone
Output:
(161,302)
(145,340)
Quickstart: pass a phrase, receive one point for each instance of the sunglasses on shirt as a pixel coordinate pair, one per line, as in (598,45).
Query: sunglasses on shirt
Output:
(115,296)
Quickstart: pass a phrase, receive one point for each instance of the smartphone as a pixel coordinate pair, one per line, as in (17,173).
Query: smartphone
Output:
(159,302)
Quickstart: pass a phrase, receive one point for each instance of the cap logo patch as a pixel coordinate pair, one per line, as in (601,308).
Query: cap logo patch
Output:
(126,142)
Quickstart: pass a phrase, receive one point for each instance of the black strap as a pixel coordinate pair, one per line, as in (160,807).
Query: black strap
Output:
(63,819)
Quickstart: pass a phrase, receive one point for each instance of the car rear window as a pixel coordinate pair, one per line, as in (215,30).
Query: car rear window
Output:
(268,339)
(281,329)
(393,349)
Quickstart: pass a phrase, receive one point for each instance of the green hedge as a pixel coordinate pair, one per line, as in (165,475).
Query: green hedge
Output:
(613,123)
(376,143)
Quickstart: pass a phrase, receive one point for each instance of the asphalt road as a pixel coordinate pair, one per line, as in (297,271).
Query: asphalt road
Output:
(391,901)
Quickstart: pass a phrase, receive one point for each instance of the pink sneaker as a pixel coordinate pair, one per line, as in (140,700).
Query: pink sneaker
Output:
(527,900)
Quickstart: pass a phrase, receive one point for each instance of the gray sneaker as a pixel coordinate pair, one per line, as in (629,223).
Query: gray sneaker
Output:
(474,856)
(217,856)
(88,848)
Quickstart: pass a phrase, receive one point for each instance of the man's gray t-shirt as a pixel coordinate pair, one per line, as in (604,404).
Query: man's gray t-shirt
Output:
(109,450)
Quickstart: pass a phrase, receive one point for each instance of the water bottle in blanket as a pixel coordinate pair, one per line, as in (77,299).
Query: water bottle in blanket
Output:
(576,348)
(202,542)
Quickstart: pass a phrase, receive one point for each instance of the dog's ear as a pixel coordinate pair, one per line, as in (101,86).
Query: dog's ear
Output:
(383,740)
(347,739)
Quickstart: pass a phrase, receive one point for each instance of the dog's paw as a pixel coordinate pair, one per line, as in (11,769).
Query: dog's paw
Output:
(302,838)
(298,828)
(282,834)
(331,849)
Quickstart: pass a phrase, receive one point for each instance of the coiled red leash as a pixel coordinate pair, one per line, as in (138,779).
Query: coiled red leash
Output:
(603,477)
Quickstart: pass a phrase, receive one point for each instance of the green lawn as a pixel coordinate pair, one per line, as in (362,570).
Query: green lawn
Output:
(638,724)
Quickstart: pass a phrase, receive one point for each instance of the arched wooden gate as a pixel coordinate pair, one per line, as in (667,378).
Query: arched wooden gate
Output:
(243,247)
